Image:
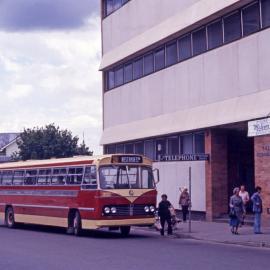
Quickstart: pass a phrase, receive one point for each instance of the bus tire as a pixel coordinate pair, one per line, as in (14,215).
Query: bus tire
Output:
(125,230)
(10,217)
(77,224)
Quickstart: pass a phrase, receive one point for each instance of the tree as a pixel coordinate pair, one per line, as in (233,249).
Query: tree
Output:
(49,142)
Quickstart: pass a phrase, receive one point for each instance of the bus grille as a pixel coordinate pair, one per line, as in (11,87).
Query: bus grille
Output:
(131,210)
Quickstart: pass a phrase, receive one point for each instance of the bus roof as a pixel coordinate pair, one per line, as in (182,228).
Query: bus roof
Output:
(71,161)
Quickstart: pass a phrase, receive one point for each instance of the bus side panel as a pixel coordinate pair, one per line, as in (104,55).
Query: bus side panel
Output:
(88,204)
(46,205)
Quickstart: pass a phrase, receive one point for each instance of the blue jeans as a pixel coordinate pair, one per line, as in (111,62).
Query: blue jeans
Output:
(257,222)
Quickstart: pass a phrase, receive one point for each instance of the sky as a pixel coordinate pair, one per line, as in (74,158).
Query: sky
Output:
(49,58)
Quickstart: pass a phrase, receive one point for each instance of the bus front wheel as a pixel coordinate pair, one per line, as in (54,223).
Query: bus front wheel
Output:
(125,230)
(77,224)
(9,217)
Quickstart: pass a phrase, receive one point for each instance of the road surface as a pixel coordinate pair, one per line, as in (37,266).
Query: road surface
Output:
(42,248)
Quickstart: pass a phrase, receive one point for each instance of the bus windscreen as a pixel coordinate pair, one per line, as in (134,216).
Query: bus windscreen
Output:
(126,177)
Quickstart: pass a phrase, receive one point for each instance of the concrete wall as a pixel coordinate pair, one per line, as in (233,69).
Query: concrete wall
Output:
(237,69)
(124,24)
(175,174)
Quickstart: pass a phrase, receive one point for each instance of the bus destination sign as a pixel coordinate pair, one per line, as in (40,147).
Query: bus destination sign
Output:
(130,159)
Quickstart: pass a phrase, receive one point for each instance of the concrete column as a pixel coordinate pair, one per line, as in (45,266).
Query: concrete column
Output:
(262,172)
(216,173)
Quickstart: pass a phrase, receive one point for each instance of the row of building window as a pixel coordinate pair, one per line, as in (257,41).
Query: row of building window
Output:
(155,148)
(109,6)
(50,176)
(240,23)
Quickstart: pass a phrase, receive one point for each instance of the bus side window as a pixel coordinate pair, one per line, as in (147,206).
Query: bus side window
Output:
(18,178)
(7,178)
(44,177)
(147,178)
(30,177)
(75,176)
(59,176)
(90,178)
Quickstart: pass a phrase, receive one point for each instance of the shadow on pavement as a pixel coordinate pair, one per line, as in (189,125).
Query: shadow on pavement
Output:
(102,234)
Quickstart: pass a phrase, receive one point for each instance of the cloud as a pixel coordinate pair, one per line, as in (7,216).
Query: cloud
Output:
(19,91)
(52,77)
(29,15)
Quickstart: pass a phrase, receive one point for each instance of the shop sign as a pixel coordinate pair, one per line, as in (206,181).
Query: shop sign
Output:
(265,152)
(259,127)
(184,157)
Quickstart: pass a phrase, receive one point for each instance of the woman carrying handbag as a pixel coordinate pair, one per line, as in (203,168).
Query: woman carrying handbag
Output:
(236,211)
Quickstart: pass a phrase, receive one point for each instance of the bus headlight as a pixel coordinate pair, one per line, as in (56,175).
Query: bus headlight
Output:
(107,210)
(146,209)
(152,208)
(113,210)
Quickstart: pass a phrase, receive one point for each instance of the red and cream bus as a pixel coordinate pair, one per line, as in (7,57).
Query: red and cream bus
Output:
(114,191)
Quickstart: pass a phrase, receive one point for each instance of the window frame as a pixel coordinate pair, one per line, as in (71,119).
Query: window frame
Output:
(168,44)
(23,176)
(32,183)
(191,47)
(114,9)
(241,26)
(160,48)
(48,183)
(125,65)
(68,183)
(153,66)
(242,18)
(11,180)
(87,186)
(108,79)
(135,61)
(65,176)
(120,67)
(179,145)
(182,143)
(222,33)
(192,41)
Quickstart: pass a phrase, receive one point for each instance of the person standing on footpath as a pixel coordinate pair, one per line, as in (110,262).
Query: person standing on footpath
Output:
(184,203)
(245,198)
(257,209)
(236,211)
(165,214)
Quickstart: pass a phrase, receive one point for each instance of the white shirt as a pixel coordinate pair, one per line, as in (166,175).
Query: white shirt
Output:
(244,195)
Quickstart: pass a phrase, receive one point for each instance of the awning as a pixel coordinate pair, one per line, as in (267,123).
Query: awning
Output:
(195,13)
(234,110)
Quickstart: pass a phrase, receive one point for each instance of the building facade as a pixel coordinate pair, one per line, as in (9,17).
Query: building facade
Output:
(181,81)
(8,146)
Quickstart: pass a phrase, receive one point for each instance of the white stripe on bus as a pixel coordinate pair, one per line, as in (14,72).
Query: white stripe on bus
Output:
(49,206)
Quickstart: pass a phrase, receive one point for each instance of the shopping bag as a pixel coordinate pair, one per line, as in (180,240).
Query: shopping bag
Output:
(157,225)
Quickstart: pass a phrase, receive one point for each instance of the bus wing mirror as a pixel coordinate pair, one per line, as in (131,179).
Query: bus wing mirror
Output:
(156,175)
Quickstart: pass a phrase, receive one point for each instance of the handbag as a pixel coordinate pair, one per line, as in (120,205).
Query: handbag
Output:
(157,225)
(232,213)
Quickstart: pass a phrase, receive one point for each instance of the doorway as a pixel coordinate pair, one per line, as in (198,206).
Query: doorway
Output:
(240,161)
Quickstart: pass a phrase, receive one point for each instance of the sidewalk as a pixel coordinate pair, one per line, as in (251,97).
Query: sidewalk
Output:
(220,233)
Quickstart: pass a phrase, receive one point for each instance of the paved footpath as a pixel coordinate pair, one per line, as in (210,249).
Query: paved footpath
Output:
(220,233)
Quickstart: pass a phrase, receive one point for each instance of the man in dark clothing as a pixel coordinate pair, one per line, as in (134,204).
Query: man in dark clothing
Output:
(257,209)
(165,214)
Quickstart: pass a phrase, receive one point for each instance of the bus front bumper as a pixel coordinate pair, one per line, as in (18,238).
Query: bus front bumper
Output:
(96,224)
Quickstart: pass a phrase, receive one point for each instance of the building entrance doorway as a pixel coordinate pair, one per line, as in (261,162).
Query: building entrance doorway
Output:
(240,161)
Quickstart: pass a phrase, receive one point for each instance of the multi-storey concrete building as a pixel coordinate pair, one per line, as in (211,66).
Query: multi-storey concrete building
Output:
(181,80)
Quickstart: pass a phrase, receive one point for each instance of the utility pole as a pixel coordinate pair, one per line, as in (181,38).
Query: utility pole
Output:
(189,216)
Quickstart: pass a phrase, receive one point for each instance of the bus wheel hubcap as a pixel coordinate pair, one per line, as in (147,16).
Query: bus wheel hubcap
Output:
(10,218)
